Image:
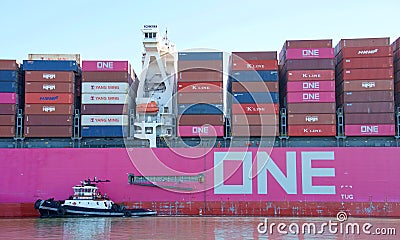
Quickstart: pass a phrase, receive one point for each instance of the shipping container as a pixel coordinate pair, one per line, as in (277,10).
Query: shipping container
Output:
(311,119)
(368,118)
(8,109)
(255,87)
(105,98)
(8,64)
(365,52)
(105,131)
(199,56)
(49,109)
(310,75)
(201,131)
(366,85)
(8,98)
(254,76)
(9,76)
(255,109)
(255,131)
(105,87)
(323,43)
(265,119)
(201,87)
(268,55)
(308,86)
(352,63)
(62,98)
(49,76)
(254,65)
(396,56)
(48,120)
(8,87)
(369,107)
(106,77)
(309,97)
(200,76)
(308,53)
(309,64)
(71,57)
(47,131)
(311,108)
(361,42)
(366,96)
(199,120)
(200,109)
(107,109)
(369,130)
(105,66)
(50,65)
(7,131)
(255,97)
(44,87)
(104,120)
(311,130)
(396,44)
(7,120)
(366,74)
(209,65)
(200,98)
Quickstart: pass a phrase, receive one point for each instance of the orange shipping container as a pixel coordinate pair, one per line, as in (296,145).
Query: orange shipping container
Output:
(53,98)
(311,130)
(254,65)
(252,108)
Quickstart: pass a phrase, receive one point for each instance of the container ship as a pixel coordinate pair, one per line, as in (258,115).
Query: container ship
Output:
(311,131)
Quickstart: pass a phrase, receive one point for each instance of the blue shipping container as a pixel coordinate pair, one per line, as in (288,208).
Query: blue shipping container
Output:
(200,109)
(200,56)
(50,65)
(105,131)
(255,76)
(8,75)
(8,87)
(255,97)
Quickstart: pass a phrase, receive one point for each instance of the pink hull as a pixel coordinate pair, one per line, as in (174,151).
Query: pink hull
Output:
(286,182)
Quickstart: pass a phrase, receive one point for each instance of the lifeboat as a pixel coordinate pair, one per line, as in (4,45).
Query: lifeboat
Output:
(150,107)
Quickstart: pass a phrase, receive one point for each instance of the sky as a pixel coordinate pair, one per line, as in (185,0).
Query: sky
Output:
(111,30)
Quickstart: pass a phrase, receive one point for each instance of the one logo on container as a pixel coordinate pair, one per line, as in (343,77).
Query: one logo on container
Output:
(105,65)
(310,85)
(369,129)
(310,53)
(311,96)
(200,130)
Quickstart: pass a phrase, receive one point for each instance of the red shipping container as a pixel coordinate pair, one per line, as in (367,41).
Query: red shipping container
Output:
(104,109)
(8,109)
(209,65)
(369,130)
(7,120)
(352,63)
(366,85)
(254,65)
(250,120)
(323,43)
(43,87)
(266,108)
(396,44)
(368,118)
(308,86)
(255,87)
(47,131)
(366,96)
(106,77)
(46,120)
(308,97)
(396,56)
(8,64)
(310,75)
(361,42)
(255,131)
(365,52)
(311,108)
(199,120)
(49,109)
(312,130)
(200,97)
(366,74)
(201,131)
(53,98)
(200,76)
(7,131)
(269,55)
(311,119)
(309,64)
(369,107)
(49,76)
(202,87)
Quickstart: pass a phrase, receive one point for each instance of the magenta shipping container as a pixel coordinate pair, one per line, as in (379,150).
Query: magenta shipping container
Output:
(314,86)
(307,53)
(202,131)
(107,66)
(306,97)
(370,130)
(8,98)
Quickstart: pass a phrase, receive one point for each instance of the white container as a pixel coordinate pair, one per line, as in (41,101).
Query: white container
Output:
(105,87)
(71,57)
(104,120)
(104,98)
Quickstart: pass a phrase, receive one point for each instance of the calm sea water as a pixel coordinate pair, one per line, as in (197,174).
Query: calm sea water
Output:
(178,228)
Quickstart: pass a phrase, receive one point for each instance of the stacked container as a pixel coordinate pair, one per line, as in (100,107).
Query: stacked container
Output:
(105,91)
(365,86)
(9,81)
(200,94)
(49,97)
(255,94)
(396,66)
(308,86)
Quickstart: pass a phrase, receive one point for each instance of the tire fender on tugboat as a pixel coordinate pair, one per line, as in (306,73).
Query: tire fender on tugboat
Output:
(115,207)
(38,203)
(61,211)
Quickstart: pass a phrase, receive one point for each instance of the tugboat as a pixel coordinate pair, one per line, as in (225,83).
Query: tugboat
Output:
(87,201)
